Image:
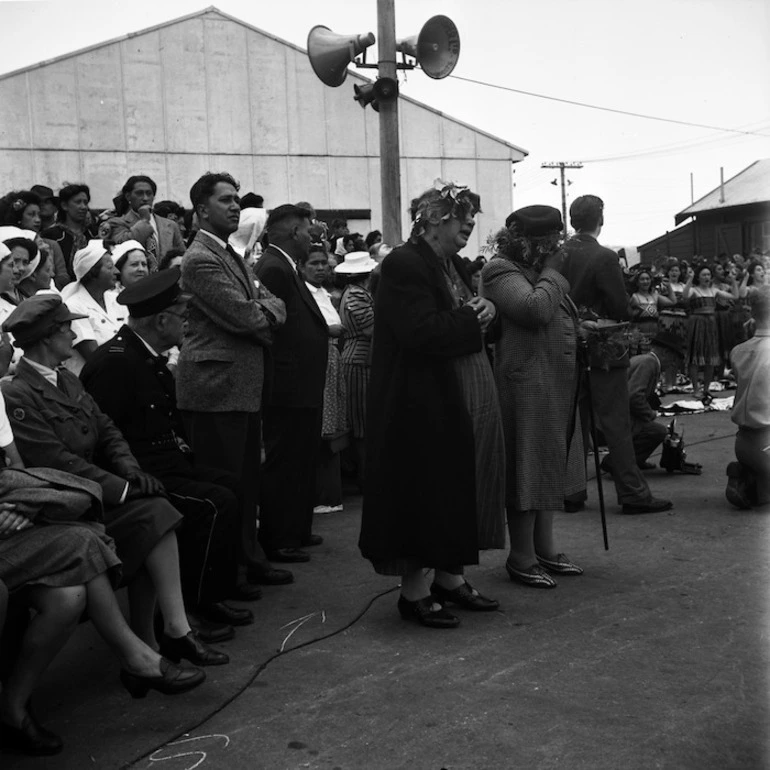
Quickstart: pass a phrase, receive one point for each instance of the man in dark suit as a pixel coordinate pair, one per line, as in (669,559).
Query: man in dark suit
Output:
(156,234)
(129,380)
(221,371)
(293,413)
(597,288)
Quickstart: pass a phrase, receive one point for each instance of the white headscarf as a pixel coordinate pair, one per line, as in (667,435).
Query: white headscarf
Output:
(250,226)
(82,262)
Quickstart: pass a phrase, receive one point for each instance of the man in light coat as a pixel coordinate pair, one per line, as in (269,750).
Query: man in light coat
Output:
(221,370)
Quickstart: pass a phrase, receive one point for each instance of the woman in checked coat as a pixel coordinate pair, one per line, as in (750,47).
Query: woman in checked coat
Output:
(536,371)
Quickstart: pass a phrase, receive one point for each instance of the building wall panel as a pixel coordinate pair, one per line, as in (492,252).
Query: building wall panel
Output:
(184,87)
(420,132)
(309,181)
(17,170)
(349,183)
(105,173)
(268,106)
(15,122)
(101,121)
(306,108)
(144,100)
(271,179)
(54,110)
(227,86)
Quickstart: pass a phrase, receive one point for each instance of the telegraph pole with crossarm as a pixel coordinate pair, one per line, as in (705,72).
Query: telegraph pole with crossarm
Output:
(561,165)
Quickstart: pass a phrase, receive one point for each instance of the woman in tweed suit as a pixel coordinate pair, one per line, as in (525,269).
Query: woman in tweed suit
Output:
(537,374)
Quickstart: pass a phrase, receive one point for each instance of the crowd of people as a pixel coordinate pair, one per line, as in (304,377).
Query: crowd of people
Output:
(186,389)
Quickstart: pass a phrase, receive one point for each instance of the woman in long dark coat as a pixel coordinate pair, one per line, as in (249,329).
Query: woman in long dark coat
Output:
(433,420)
(537,375)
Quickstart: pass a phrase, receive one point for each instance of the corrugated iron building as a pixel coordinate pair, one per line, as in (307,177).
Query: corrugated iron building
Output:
(210,92)
(733,218)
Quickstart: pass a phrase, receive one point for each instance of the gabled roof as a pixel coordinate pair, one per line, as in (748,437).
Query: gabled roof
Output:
(752,185)
(214,11)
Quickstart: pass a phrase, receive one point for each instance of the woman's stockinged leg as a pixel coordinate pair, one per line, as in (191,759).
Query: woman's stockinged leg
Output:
(134,655)
(57,613)
(415,585)
(141,603)
(543,535)
(162,564)
(521,531)
(450,580)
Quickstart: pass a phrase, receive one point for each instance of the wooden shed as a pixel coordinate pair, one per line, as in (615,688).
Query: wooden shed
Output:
(210,92)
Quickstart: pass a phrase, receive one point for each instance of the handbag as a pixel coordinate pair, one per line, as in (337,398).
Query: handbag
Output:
(49,496)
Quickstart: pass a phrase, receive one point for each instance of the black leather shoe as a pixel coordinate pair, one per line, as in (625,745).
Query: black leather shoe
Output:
(651,506)
(173,680)
(270,576)
(246,592)
(191,648)
(465,596)
(221,612)
(312,540)
(288,555)
(30,738)
(212,633)
(422,612)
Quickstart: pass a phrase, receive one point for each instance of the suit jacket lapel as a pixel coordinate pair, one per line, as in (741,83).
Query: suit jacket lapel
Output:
(229,262)
(304,292)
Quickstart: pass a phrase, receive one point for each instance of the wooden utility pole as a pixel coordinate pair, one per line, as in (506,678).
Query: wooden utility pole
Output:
(561,165)
(390,152)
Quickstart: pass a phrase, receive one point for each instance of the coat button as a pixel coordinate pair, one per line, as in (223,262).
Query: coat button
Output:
(84,428)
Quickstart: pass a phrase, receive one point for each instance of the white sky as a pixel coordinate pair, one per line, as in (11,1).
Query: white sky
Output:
(700,61)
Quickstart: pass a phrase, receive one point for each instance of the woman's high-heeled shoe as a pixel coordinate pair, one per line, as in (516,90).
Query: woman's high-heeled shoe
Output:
(31,738)
(535,576)
(173,680)
(191,648)
(423,613)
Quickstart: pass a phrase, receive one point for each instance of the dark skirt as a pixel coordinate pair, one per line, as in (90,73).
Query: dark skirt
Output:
(137,527)
(725,333)
(58,555)
(702,341)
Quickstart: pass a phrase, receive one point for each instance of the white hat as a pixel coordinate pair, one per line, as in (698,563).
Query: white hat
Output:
(250,227)
(5,252)
(9,231)
(87,257)
(123,248)
(356,262)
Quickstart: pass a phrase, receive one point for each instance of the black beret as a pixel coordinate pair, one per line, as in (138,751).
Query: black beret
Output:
(284,212)
(153,293)
(35,317)
(535,221)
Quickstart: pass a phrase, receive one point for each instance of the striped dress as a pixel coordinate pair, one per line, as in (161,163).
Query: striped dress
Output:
(357,314)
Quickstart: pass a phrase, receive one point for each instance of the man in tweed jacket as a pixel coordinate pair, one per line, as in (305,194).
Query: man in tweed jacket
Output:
(221,370)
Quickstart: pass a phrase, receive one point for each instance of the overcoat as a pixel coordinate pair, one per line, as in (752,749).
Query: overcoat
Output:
(230,326)
(420,489)
(62,427)
(537,376)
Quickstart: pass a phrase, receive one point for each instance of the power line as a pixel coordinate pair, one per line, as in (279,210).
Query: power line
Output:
(607,109)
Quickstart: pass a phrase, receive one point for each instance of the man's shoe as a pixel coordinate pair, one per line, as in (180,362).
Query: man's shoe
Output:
(288,555)
(312,540)
(30,738)
(191,648)
(270,576)
(212,633)
(246,592)
(464,596)
(222,613)
(651,506)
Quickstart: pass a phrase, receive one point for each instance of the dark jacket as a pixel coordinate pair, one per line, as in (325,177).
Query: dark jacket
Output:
(63,428)
(595,278)
(301,346)
(136,390)
(420,491)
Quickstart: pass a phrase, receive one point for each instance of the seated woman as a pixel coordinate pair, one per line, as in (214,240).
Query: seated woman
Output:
(24,251)
(61,571)
(58,425)
(130,261)
(536,369)
(37,277)
(92,296)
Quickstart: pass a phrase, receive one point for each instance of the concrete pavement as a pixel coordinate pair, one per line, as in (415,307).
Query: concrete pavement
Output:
(657,657)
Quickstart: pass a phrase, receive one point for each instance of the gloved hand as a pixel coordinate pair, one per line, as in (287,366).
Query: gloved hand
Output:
(141,484)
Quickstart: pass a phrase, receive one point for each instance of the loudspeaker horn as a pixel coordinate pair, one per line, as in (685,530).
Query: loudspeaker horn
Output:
(330,53)
(436,48)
